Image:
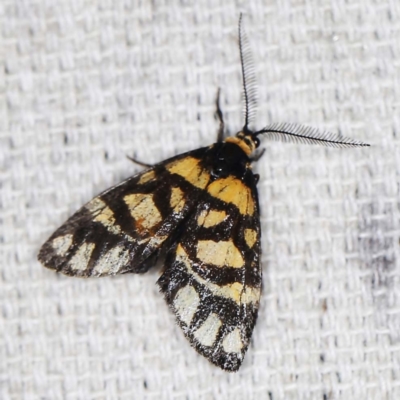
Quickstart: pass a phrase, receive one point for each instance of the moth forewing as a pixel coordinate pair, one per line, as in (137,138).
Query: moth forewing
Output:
(124,228)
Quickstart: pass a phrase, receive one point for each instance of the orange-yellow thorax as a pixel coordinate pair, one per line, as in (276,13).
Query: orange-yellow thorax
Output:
(245,142)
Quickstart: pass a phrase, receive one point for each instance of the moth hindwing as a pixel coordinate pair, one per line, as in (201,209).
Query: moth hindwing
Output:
(200,210)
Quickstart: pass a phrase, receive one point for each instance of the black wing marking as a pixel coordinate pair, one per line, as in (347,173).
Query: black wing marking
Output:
(212,278)
(125,228)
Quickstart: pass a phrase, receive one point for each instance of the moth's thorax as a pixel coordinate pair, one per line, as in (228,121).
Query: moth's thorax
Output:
(227,159)
(245,142)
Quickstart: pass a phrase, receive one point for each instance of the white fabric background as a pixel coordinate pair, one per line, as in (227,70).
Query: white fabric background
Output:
(84,83)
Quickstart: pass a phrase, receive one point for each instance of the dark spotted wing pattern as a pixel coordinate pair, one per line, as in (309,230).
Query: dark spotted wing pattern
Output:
(203,207)
(125,228)
(212,277)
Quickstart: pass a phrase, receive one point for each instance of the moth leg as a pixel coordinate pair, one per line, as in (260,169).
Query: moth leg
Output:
(142,164)
(257,156)
(220,116)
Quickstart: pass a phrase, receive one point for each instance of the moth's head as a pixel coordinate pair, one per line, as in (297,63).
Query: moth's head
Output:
(246,140)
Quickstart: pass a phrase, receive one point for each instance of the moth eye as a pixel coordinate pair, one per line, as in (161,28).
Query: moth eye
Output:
(219,167)
(216,172)
(256,141)
(247,141)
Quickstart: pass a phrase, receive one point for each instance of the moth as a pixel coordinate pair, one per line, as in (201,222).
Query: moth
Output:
(199,213)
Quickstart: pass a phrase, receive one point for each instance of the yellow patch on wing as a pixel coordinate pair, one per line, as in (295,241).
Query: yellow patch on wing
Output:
(208,331)
(250,295)
(209,218)
(250,237)
(220,254)
(147,176)
(176,200)
(233,190)
(143,210)
(81,258)
(190,169)
(235,291)
(103,214)
(185,303)
(106,218)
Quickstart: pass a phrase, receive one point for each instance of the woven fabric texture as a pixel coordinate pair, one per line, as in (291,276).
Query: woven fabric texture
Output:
(85,83)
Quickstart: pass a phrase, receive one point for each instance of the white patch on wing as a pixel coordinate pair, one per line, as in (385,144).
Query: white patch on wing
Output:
(112,262)
(232,342)
(95,205)
(62,244)
(81,258)
(185,303)
(157,241)
(208,331)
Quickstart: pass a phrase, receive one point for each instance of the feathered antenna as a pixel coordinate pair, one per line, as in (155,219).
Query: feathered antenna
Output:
(287,132)
(249,78)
